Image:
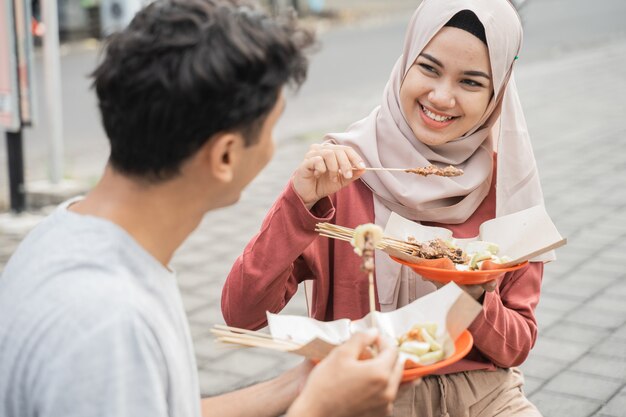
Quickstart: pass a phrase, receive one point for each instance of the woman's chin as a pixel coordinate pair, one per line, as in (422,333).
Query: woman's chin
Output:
(433,141)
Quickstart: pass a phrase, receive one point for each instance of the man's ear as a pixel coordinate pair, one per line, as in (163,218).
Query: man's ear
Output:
(220,154)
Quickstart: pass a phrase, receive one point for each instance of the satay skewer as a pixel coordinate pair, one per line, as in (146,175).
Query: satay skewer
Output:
(334,231)
(449,171)
(365,239)
(368,267)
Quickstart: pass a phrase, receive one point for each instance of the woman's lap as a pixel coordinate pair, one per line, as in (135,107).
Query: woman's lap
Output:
(466,394)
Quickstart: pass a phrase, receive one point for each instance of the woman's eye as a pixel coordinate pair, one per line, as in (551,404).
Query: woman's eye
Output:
(472,83)
(428,68)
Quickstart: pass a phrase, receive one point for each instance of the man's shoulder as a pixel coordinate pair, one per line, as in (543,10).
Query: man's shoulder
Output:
(69,285)
(78,310)
(77,259)
(79,332)
(59,308)
(64,238)
(70,300)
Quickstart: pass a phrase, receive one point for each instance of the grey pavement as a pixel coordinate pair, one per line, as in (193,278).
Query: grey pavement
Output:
(574,103)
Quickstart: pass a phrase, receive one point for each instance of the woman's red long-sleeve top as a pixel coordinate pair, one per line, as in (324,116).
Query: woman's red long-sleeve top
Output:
(287,251)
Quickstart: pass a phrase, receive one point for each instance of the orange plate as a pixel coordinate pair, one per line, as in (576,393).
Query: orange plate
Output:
(456,276)
(462,346)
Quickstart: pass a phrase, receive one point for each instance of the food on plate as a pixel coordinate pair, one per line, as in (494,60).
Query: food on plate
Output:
(421,345)
(477,254)
(437,248)
(449,171)
(482,255)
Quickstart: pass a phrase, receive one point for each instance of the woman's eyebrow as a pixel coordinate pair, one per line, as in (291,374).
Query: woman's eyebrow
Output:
(477,74)
(432,58)
(470,73)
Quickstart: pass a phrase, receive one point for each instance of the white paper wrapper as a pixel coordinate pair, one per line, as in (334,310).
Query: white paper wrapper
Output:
(451,308)
(525,235)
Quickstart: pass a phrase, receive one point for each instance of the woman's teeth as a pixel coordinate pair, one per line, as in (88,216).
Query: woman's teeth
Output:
(434,116)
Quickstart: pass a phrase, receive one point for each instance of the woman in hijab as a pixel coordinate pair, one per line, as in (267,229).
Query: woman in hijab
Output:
(451,100)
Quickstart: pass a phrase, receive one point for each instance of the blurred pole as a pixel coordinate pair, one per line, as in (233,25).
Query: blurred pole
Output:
(16,171)
(276,7)
(296,6)
(52,80)
(273,5)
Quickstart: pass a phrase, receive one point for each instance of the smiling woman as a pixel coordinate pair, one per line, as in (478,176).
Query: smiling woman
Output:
(447,90)
(451,99)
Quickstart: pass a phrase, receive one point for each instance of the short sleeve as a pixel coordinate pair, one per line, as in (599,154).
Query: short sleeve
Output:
(115,369)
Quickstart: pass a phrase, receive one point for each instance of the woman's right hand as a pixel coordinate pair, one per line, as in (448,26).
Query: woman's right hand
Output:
(326,169)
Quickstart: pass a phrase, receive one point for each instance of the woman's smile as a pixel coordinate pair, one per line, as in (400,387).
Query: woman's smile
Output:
(434,119)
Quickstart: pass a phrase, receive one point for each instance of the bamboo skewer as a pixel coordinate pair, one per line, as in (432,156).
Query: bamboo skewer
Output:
(365,239)
(368,267)
(371,235)
(250,338)
(253,343)
(449,171)
(334,231)
(315,349)
(243,331)
(246,337)
(372,297)
(385,169)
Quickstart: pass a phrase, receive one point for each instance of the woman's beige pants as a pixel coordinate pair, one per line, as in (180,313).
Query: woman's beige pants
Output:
(466,394)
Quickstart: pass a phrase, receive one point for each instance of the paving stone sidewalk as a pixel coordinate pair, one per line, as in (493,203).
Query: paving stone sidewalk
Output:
(578,367)
(575,108)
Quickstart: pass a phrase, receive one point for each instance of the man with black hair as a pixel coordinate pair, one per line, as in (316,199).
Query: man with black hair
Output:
(91,320)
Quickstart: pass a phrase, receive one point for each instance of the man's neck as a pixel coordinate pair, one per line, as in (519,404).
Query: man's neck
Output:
(159,217)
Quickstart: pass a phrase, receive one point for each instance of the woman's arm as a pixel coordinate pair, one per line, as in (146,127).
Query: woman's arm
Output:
(267,274)
(506,330)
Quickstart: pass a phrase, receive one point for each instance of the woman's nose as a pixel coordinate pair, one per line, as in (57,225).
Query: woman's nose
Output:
(442,97)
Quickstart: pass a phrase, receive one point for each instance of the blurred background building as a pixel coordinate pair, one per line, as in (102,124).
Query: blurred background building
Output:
(96,18)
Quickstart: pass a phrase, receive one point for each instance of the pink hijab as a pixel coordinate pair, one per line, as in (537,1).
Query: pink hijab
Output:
(384,139)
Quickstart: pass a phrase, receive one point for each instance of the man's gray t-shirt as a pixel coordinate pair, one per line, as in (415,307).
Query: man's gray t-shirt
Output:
(92,325)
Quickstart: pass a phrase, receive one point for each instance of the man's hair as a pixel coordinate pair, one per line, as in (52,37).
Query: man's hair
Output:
(185,70)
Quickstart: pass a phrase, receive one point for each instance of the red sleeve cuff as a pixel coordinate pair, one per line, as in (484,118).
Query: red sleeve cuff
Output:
(322,211)
(489,299)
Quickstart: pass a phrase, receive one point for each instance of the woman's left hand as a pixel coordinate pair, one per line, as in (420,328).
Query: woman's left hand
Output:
(478,290)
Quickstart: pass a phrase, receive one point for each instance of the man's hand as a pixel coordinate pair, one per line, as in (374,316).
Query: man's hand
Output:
(344,386)
(325,170)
